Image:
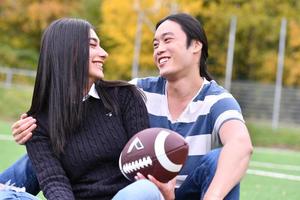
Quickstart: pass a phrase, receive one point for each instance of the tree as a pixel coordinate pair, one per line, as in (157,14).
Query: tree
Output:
(257,36)
(292,61)
(23,22)
(118,30)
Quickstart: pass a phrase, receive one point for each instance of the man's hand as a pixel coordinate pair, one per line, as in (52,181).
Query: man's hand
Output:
(166,189)
(22,129)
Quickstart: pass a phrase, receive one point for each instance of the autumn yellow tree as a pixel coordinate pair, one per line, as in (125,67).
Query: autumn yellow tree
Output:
(22,24)
(256,44)
(292,61)
(119,31)
(257,35)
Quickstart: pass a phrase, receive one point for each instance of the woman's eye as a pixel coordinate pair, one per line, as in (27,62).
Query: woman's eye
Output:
(93,45)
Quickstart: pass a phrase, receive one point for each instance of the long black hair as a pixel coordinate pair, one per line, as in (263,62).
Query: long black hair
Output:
(193,31)
(62,78)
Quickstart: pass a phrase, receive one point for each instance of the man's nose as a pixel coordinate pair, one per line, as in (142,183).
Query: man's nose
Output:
(160,49)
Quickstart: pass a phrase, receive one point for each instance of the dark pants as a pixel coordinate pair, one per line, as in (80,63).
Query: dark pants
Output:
(198,181)
(22,174)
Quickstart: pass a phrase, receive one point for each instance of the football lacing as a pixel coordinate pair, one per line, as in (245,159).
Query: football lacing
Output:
(136,165)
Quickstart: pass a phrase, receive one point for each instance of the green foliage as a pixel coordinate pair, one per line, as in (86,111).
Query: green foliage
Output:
(256,47)
(258,25)
(23,22)
(119,23)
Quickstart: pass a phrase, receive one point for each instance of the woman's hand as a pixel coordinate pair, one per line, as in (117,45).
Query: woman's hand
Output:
(166,189)
(22,129)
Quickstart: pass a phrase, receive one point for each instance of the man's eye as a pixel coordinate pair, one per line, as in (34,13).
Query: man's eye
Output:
(155,45)
(93,45)
(167,39)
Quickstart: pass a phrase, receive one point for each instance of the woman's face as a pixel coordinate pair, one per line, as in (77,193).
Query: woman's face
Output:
(96,59)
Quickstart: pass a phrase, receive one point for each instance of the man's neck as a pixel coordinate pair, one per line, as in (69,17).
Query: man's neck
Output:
(180,93)
(184,89)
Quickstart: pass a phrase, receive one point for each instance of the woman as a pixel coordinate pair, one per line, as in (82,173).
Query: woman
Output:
(83,121)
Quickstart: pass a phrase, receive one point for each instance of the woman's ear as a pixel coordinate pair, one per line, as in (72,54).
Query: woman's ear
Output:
(197,46)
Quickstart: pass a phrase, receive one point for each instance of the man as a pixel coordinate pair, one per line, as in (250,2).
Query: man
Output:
(184,98)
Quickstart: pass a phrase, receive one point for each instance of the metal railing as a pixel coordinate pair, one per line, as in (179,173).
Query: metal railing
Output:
(9,73)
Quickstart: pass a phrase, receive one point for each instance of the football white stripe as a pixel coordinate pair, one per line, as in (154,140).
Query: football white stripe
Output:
(159,148)
(121,167)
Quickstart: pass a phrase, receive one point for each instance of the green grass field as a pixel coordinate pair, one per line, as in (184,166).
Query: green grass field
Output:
(10,151)
(274,174)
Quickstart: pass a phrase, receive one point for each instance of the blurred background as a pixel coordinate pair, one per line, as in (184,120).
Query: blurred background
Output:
(254,52)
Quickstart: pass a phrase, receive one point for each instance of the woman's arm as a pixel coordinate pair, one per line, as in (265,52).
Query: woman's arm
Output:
(134,111)
(51,175)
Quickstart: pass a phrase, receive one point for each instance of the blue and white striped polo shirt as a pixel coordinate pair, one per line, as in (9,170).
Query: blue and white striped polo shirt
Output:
(199,123)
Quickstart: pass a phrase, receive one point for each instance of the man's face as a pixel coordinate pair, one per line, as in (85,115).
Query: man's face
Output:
(171,54)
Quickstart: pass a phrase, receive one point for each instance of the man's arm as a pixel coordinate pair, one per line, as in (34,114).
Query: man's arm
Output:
(233,161)
(22,129)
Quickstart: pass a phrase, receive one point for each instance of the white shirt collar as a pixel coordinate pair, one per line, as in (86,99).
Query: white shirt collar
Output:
(93,93)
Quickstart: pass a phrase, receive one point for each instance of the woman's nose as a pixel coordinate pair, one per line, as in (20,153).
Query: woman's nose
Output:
(103,53)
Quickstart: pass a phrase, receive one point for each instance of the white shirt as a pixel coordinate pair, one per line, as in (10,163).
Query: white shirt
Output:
(93,92)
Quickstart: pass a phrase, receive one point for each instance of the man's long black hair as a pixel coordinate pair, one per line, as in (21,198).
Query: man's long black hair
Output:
(193,31)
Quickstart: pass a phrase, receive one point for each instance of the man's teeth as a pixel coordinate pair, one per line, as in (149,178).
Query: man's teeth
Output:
(163,60)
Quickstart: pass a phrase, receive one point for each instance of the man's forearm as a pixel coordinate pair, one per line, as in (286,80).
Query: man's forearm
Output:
(232,166)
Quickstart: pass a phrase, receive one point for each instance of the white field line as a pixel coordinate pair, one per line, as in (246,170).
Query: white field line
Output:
(274,166)
(273,174)
(6,137)
(274,150)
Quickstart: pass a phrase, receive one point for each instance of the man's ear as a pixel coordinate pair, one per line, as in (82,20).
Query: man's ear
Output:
(197,46)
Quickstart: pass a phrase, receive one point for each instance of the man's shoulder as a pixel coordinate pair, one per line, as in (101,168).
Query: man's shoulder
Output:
(150,84)
(211,89)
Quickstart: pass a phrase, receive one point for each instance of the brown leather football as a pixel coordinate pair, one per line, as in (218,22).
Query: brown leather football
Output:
(156,151)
